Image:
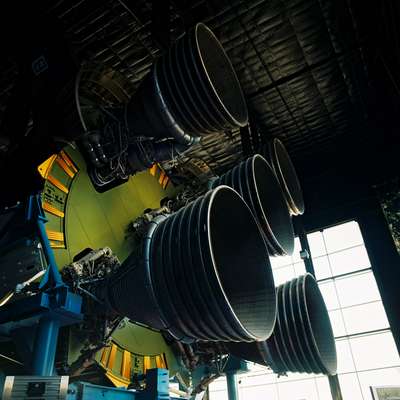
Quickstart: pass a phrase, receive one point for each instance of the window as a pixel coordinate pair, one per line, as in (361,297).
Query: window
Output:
(367,354)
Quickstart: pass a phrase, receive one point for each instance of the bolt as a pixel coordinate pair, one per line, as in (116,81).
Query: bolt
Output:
(304,254)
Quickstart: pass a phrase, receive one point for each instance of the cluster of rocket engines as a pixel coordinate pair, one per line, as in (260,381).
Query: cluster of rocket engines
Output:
(203,273)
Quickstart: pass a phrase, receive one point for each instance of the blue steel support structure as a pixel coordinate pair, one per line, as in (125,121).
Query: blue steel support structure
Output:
(47,331)
(44,352)
(52,307)
(35,213)
(232,386)
(233,367)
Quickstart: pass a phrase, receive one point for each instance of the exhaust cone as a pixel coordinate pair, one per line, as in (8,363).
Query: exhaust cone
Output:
(204,274)
(302,340)
(256,182)
(287,176)
(192,90)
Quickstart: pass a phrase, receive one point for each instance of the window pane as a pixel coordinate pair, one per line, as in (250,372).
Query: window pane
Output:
(220,395)
(337,323)
(349,260)
(357,289)
(374,351)
(266,392)
(253,368)
(342,236)
(299,268)
(283,274)
(304,389)
(218,384)
(277,262)
(350,387)
(321,267)
(329,293)
(317,245)
(256,379)
(364,318)
(381,377)
(324,391)
(344,357)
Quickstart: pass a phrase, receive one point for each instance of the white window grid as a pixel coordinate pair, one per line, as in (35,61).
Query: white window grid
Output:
(293,266)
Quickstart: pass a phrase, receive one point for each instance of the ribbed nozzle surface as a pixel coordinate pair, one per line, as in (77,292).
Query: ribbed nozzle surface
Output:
(302,340)
(256,182)
(287,176)
(208,272)
(192,90)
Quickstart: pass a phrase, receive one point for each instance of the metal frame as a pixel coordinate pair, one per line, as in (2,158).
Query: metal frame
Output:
(157,388)
(52,307)
(57,385)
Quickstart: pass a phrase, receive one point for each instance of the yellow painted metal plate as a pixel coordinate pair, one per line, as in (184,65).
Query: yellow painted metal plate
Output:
(55,182)
(53,235)
(126,366)
(52,210)
(60,161)
(45,167)
(68,160)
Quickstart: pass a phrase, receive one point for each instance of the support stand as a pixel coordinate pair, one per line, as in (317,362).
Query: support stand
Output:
(52,307)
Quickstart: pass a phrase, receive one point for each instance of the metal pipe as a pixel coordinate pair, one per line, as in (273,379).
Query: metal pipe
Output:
(305,247)
(48,251)
(233,393)
(45,347)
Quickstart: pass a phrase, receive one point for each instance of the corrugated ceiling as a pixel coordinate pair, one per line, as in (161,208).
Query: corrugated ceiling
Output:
(300,62)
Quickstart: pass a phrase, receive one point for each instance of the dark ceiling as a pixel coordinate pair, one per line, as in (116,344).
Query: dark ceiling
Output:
(315,72)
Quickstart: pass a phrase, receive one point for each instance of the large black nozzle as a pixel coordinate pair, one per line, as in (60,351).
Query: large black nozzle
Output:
(192,90)
(204,274)
(287,176)
(302,340)
(256,182)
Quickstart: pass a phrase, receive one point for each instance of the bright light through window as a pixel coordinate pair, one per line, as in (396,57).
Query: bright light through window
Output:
(367,354)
